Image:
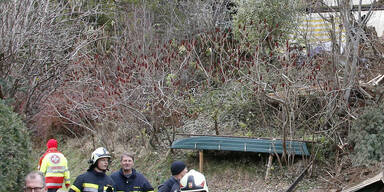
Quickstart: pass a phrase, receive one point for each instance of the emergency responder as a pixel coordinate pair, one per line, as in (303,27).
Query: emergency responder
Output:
(178,170)
(54,166)
(95,178)
(193,181)
(127,179)
(35,181)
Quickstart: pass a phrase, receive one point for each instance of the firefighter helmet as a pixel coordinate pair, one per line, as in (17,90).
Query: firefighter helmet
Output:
(193,181)
(99,153)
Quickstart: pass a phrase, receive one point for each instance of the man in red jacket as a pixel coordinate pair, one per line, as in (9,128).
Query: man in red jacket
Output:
(54,166)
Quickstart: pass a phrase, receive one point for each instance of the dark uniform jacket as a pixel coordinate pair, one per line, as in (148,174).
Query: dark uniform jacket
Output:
(134,183)
(171,185)
(93,181)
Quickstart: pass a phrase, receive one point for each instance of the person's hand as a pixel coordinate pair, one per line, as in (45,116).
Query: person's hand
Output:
(109,188)
(67,185)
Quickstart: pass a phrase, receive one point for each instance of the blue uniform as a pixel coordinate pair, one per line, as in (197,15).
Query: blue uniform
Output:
(93,181)
(171,185)
(133,183)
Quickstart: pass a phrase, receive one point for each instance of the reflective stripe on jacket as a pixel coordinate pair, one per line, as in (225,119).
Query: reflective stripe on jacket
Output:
(92,181)
(54,166)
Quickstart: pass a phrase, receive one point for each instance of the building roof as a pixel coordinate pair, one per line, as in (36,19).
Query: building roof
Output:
(261,145)
(372,184)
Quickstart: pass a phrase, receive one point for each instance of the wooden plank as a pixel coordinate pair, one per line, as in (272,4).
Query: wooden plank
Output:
(201,161)
(270,159)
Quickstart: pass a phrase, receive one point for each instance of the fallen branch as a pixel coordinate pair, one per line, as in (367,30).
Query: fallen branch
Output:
(298,179)
(365,92)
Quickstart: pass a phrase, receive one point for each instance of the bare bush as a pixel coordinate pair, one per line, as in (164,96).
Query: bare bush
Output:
(38,41)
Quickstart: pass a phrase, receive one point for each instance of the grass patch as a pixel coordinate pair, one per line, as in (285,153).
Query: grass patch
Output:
(224,171)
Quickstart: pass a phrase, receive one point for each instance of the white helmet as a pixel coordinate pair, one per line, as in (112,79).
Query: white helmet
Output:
(193,181)
(99,153)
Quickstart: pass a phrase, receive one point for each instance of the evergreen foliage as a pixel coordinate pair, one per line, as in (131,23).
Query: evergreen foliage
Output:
(367,135)
(15,150)
(267,22)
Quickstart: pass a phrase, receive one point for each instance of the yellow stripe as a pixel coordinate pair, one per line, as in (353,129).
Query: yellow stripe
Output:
(90,185)
(75,188)
(106,187)
(323,35)
(314,35)
(317,25)
(318,30)
(336,19)
(317,35)
(322,40)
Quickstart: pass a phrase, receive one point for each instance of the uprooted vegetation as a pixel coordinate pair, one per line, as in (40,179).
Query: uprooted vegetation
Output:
(140,73)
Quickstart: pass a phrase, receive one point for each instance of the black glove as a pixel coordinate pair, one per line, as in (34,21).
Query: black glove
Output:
(109,188)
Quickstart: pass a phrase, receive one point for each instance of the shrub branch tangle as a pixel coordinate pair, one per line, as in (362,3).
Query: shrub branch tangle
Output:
(139,69)
(38,40)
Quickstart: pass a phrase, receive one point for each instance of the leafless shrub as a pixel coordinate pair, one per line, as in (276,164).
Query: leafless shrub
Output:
(38,41)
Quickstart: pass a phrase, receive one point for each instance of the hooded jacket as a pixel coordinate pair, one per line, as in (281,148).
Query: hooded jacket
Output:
(54,166)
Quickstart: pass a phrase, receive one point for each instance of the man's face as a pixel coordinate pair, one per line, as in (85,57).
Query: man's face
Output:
(102,163)
(127,163)
(34,184)
(182,173)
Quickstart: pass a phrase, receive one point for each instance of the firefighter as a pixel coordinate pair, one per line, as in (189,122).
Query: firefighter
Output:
(193,181)
(127,179)
(178,170)
(95,178)
(54,166)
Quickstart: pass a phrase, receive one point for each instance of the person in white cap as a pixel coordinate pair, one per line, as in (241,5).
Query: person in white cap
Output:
(193,181)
